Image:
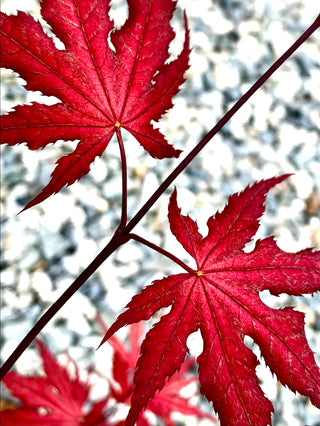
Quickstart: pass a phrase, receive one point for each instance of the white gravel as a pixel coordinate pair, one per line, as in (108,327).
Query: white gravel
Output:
(276,132)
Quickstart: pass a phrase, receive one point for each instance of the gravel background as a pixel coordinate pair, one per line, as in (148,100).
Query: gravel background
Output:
(277,131)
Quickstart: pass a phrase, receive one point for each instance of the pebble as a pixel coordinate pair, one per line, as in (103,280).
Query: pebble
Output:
(303,183)
(42,284)
(129,253)
(60,338)
(84,254)
(226,75)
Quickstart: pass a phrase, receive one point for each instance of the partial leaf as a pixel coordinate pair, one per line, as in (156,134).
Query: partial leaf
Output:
(54,399)
(164,403)
(104,78)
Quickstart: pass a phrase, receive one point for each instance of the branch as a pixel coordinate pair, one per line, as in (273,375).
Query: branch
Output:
(122,235)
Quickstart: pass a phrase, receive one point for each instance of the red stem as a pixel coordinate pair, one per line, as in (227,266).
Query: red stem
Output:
(122,234)
(123,219)
(162,251)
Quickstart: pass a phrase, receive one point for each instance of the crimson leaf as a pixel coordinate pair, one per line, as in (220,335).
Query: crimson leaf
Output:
(166,402)
(55,399)
(221,298)
(102,85)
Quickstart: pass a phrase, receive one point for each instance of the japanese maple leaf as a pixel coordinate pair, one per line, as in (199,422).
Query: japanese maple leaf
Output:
(165,403)
(221,298)
(102,84)
(56,399)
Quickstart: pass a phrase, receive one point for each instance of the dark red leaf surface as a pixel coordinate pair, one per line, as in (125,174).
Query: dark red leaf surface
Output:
(221,298)
(56,399)
(60,398)
(166,402)
(101,84)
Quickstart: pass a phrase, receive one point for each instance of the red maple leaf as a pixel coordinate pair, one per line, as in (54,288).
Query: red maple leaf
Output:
(102,84)
(221,298)
(164,403)
(55,399)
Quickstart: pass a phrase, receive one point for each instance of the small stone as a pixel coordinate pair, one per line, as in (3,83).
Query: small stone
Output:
(84,254)
(303,183)
(8,276)
(112,188)
(150,184)
(128,253)
(24,282)
(16,330)
(42,284)
(278,37)
(226,75)
(249,49)
(60,338)
(29,259)
(140,170)
(98,170)
(315,234)
(52,244)
(312,206)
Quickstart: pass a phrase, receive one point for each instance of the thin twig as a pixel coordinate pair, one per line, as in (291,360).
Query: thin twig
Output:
(123,220)
(162,251)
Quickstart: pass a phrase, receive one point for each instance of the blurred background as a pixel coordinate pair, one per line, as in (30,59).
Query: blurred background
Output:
(46,247)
